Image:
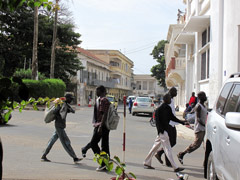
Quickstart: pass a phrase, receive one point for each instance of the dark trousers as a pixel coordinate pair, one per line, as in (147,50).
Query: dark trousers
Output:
(87,147)
(104,136)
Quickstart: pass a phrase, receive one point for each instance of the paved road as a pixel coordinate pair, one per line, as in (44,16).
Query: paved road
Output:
(26,135)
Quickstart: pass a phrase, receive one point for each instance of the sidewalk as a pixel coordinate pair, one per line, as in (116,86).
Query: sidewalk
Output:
(184,131)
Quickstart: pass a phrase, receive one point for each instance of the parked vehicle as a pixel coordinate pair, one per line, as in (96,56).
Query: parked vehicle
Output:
(2,114)
(223,134)
(132,97)
(113,100)
(143,105)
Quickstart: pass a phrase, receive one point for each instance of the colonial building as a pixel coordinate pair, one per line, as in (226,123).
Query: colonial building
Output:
(96,72)
(145,84)
(121,71)
(210,35)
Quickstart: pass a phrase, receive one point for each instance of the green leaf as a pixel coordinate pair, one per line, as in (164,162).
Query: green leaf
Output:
(110,166)
(105,161)
(118,170)
(6,116)
(123,165)
(133,175)
(99,161)
(23,103)
(37,4)
(102,153)
(35,106)
(20,109)
(117,159)
(15,105)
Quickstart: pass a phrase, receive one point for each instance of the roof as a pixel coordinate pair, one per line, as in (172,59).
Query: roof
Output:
(90,55)
(112,52)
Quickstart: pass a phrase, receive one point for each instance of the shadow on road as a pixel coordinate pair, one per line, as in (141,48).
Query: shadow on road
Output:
(7,125)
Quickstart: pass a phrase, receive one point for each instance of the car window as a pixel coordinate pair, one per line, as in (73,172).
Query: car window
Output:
(110,99)
(222,97)
(144,100)
(231,105)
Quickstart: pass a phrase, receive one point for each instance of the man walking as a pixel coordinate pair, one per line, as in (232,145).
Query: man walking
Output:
(163,116)
(60,125)
(100,130)
(130,104)
(172,132)
(94,121)
(199,126)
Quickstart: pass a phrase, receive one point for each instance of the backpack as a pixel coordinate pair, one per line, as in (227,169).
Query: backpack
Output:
(112,118)
(49,115)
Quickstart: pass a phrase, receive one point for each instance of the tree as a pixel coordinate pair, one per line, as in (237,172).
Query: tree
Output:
(158,71)
(16,34)
(35,45)
(54,41)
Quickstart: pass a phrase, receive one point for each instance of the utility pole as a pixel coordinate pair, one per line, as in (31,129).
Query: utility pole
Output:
(54,41)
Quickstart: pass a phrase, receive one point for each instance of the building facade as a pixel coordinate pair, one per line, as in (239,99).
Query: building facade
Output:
(211,36)
(146,85)
(121,71)
(96,72)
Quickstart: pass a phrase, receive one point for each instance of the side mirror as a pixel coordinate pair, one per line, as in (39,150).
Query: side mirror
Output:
(232,120)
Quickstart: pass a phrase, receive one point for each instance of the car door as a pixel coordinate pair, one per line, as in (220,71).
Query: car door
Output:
(230,142)
(216,126)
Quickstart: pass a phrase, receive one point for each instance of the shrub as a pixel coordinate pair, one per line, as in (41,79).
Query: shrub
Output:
(27,74)
(45,88)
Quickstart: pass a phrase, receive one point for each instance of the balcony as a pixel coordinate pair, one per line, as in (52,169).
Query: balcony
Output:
(115,70)
(175,73)
(96,82)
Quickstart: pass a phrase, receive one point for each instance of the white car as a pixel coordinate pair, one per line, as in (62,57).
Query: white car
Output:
(143,105)
(222,153)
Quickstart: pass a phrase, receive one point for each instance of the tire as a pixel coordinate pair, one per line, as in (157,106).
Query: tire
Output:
(152,122)
(211,172)
(134,114)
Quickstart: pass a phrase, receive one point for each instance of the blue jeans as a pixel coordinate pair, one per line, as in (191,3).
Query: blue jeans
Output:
(61,134)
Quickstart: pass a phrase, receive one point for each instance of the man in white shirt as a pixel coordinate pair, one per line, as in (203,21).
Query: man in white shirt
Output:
(172,132)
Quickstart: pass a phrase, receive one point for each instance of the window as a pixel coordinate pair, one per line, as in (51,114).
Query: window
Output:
(113,63)
(151,85)
(204,38)
(231,104)
(222,97)
(203,66)
(144,85)
(139,87)
(205,59)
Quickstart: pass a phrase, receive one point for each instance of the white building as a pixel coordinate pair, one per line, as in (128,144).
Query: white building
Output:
(147,85)
(211,33)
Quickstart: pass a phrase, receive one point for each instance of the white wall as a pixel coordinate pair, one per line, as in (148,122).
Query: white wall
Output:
(231,38)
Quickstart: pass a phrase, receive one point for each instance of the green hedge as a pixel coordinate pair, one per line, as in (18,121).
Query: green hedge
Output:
(45,88)
(27,74)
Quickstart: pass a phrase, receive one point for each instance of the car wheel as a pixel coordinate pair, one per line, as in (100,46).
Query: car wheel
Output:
(211,172)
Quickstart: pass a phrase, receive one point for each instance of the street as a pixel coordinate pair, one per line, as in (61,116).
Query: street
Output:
(26,135)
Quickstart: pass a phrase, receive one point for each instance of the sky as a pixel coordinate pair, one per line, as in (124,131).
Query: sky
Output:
(133,27)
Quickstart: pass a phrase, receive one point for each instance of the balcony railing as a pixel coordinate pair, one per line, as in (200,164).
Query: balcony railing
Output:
(175,63)
(96,82)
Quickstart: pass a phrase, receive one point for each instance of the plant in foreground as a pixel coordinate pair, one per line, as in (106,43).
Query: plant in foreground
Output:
(120,169)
